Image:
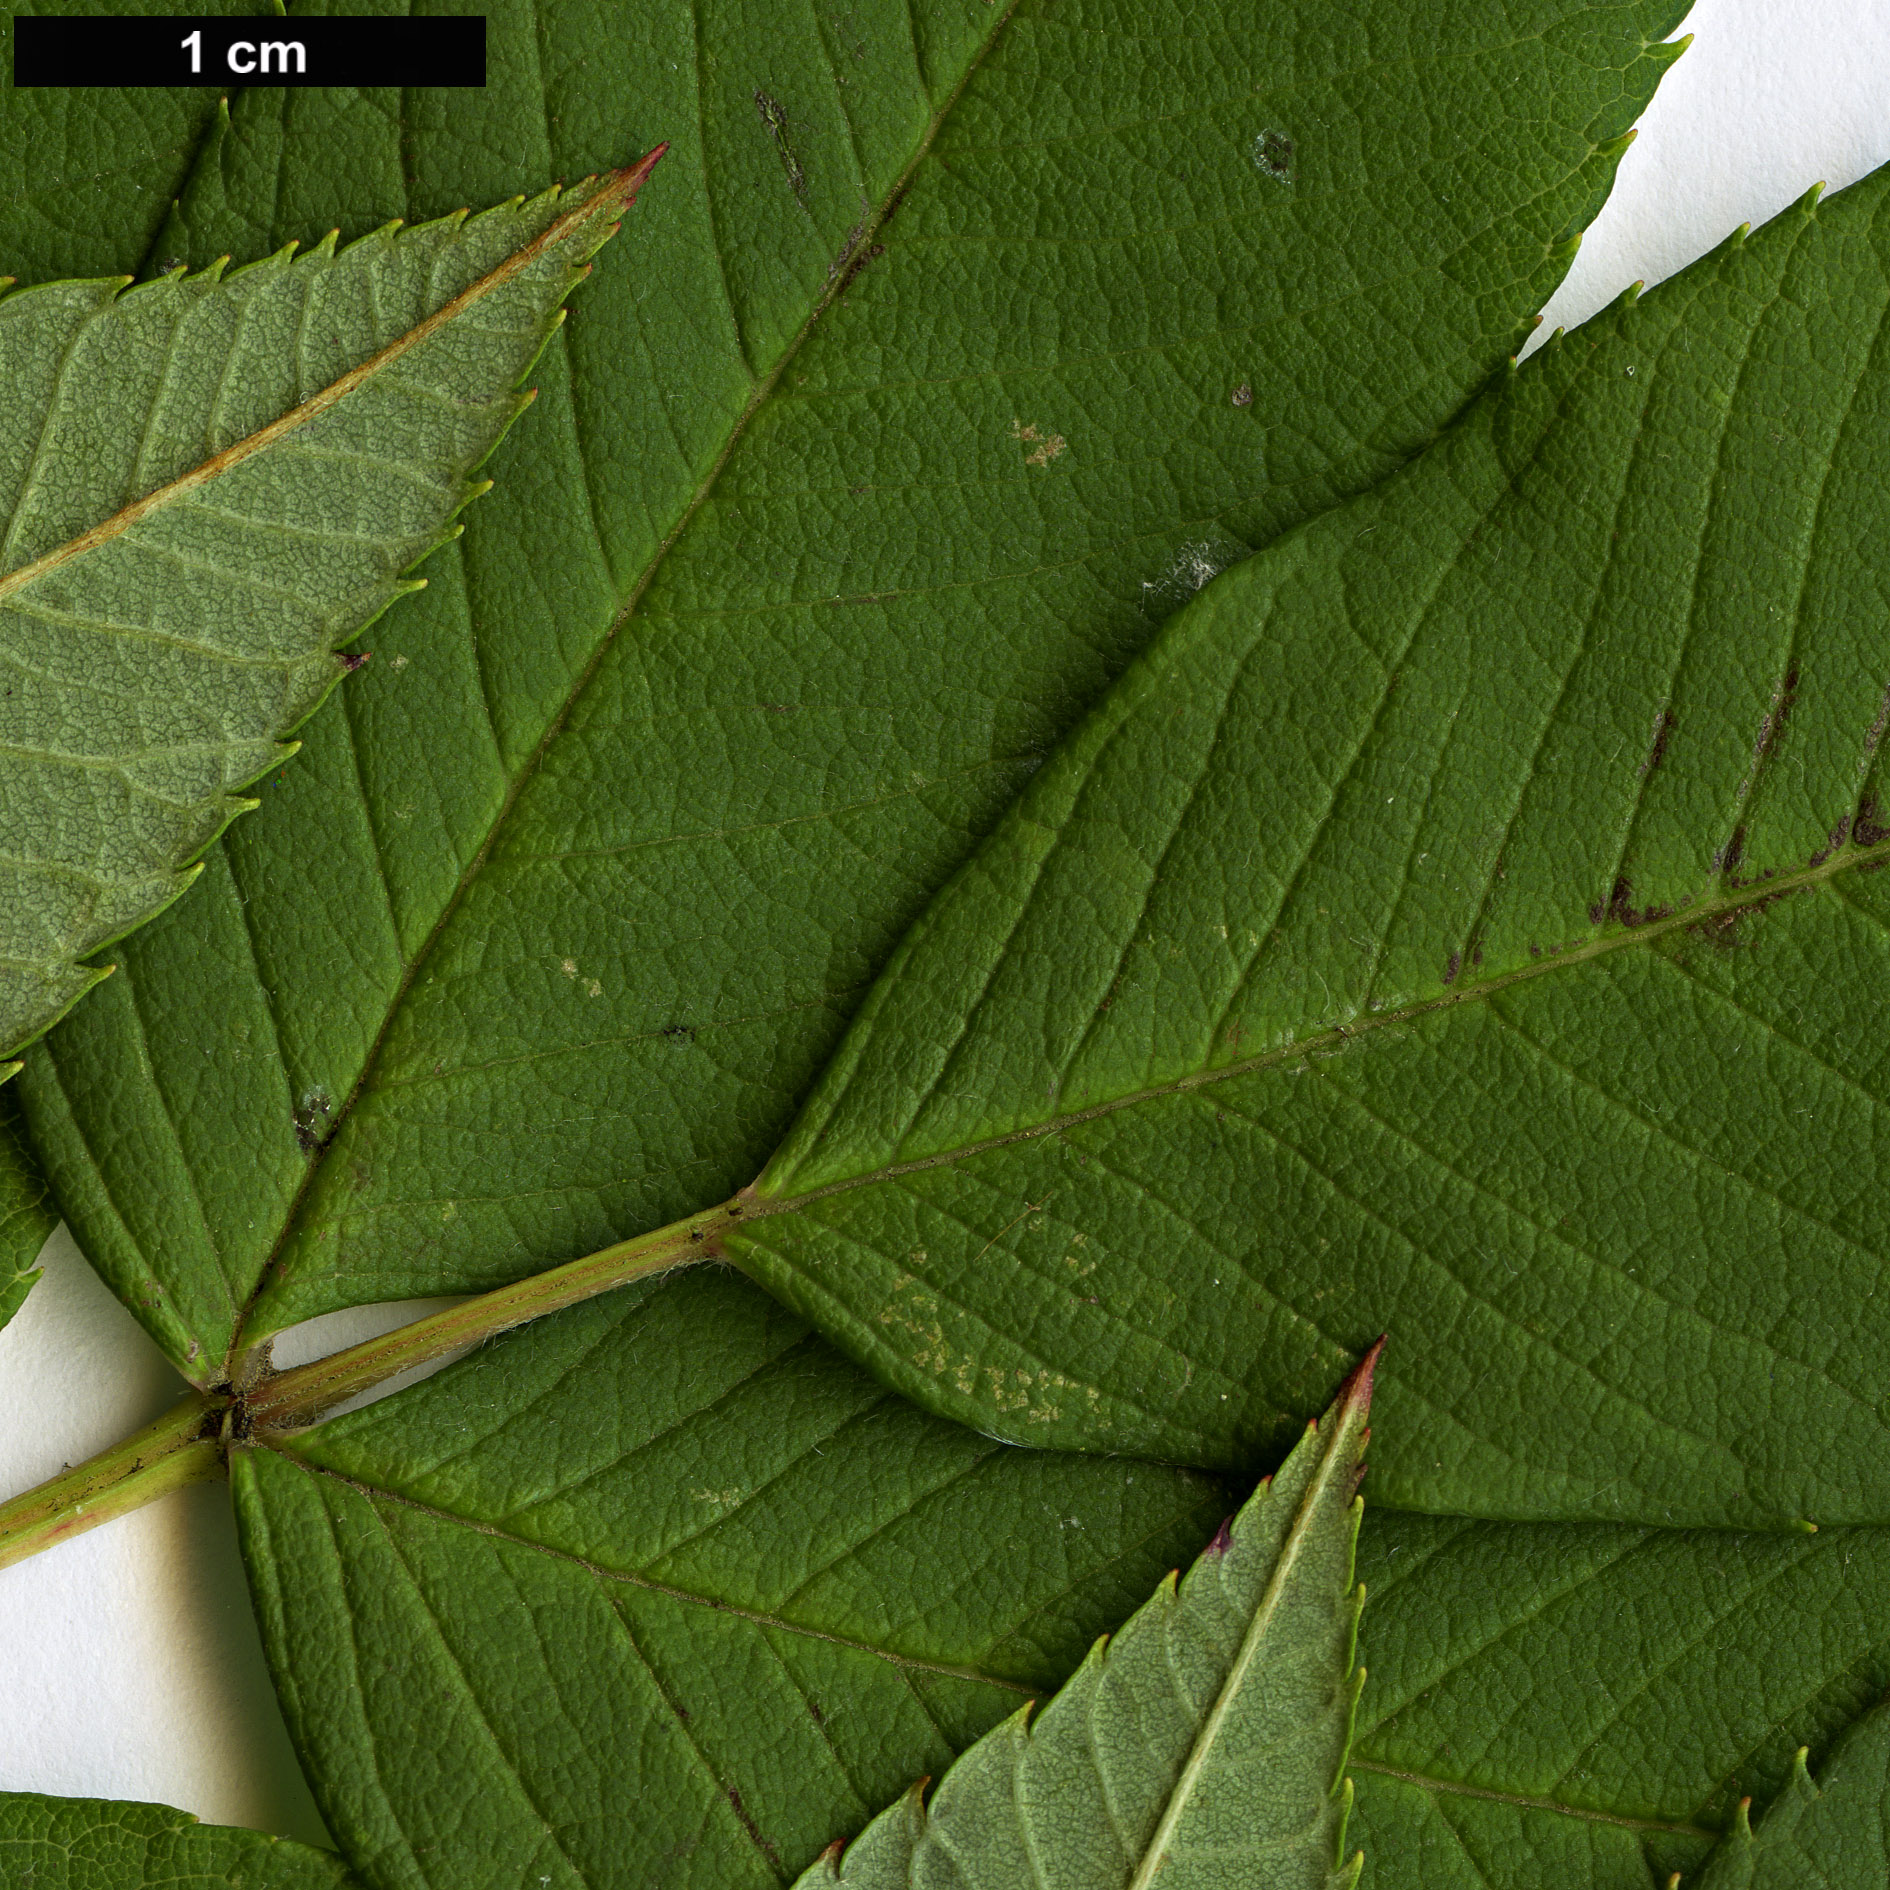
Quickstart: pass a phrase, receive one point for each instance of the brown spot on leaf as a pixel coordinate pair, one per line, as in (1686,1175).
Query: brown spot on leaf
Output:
(1663,729)
(1622,909)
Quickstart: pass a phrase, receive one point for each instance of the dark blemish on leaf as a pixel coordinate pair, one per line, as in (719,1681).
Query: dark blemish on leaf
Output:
(754,1831)
(1223,1541)
(1455,966)
(1721,929)
(859,262)
(356,659)
(679,1033)
(1832,843)
(820,1718)
(1622,910)
(1775,717)
(1868,829)
(1729,856)
(1273,155)
(1242,396)
(1877,727)
(774,119)
(1663,728)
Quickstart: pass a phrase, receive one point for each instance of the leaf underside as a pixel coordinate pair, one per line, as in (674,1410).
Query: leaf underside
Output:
(26,1212)
(207,485)
(545,934)
(1836,1832)
(667,1546)
(103,1844)
(668,1580)
(677,1592)
(1464,923)
(1203,1744)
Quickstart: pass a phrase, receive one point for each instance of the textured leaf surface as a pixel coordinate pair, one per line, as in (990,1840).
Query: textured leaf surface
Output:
(26,1212)
(1464,923)
(207,485)
(99,1844)
(1203,1745)
(88,175)
(1836,1832)
(542,939)
(662,1588)
(1587,1705)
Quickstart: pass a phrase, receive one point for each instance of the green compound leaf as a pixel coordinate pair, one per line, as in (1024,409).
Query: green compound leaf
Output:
(1204,1745)
(959,346)
(662,1589)
(1463,923)
(100,1844)
(207,485)
(1835,1833)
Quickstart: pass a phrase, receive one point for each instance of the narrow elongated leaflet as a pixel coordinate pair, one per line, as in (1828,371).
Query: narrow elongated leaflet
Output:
(1464,922)
(1202,1746)
(844,497)
(208,484)
(1835,1832)
(674,1592)
(101,1844)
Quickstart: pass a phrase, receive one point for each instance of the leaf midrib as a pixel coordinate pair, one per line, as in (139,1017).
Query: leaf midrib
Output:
(377,1494)
(837,281)
(1339,1453)
(1526,1801)
(752,1206)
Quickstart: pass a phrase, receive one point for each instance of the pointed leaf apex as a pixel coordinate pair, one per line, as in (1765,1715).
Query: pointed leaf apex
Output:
(1355,1395)
(631,178)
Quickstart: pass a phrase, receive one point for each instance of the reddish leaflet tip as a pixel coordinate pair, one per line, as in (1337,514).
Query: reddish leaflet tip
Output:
(1356,1393)
(1223,1537)
(630,179)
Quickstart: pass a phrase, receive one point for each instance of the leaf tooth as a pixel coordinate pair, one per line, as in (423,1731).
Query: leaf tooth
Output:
(1668,50)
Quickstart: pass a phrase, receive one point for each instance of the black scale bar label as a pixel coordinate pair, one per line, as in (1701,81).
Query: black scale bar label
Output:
(186,49)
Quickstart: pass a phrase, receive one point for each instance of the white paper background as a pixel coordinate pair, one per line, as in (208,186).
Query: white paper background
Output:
(129,1665)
